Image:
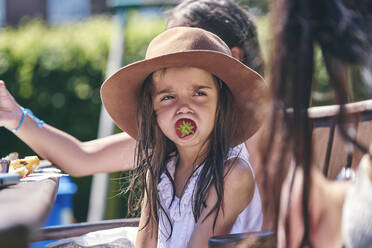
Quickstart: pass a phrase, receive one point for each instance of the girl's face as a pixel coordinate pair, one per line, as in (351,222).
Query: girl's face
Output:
(185,103)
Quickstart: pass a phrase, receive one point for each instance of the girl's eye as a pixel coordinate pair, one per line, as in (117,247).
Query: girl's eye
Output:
(200,93)
(164,98)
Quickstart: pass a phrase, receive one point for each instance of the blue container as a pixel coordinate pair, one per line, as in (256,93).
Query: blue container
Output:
(62,211)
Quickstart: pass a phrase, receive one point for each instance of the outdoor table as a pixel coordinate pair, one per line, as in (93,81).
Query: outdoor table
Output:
(23,209)
(262,239)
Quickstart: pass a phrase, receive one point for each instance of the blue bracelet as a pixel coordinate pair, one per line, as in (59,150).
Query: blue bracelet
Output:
(39,122)
(21,122)
(25,112)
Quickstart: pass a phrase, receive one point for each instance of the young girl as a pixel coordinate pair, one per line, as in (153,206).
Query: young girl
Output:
(187,104)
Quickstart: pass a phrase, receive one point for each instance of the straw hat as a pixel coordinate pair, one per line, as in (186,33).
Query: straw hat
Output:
(194,47)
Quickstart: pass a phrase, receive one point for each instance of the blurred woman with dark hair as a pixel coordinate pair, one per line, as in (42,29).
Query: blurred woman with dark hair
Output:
(315,212)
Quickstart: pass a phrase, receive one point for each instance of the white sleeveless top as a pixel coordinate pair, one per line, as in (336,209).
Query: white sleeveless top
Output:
(181,215)
(357,210)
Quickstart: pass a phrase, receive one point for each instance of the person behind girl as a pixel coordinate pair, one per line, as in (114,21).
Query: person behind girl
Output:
(188,103)
(316,212)
(225,18)
(115,152)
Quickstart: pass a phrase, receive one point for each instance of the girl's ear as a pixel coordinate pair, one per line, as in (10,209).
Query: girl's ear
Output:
(237,53)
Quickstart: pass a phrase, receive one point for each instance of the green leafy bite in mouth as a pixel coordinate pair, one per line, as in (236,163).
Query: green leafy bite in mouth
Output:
(185,127)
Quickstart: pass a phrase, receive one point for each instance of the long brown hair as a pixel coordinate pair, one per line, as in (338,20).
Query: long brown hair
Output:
(343,32)
(154,150)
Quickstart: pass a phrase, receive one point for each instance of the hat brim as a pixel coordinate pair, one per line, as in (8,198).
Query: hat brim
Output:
(120,92)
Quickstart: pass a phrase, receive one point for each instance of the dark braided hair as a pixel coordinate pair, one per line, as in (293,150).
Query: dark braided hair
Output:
(227,20)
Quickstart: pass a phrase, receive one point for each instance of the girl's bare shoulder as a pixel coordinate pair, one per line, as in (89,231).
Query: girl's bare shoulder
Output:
(237,168)
(239,179)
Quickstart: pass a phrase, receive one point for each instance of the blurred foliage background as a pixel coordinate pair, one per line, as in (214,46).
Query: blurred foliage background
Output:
(57,72)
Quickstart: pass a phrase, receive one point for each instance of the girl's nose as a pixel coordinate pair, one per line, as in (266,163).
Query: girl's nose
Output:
(184,109)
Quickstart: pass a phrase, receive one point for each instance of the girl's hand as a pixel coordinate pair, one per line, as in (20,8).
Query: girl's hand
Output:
(10,111)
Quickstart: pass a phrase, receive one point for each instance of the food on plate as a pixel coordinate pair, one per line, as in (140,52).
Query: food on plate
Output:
(12,156)
(22,171)
(22,167)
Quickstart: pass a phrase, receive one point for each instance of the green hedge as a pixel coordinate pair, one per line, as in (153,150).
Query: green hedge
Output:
(57,72)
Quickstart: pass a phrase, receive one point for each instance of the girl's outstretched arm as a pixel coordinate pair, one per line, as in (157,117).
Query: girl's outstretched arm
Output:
(147,237)
(238,192)
(113,153)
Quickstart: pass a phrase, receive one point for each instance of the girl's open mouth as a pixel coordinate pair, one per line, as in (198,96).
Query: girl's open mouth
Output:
(185,127)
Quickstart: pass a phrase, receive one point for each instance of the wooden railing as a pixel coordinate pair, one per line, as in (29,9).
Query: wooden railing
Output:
(331,152)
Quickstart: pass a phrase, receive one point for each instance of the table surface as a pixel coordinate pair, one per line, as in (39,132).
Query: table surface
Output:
(263,239)
(23,209)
